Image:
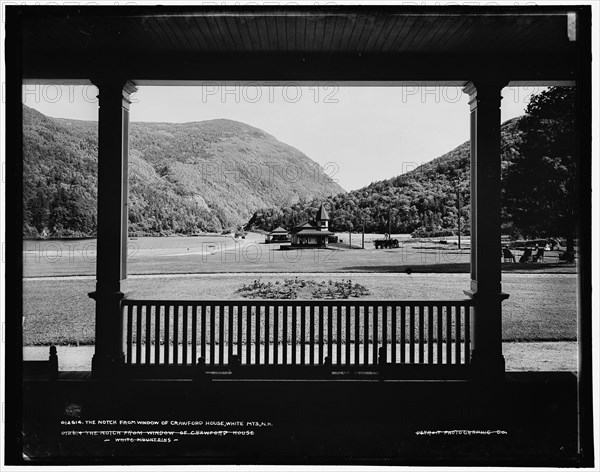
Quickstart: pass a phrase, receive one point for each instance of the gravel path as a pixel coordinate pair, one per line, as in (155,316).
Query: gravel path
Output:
(227,275)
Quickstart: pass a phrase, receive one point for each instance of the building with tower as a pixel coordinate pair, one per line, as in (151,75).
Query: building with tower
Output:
(313,233)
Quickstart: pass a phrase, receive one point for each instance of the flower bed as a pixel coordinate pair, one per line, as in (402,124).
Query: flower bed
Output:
(291,289)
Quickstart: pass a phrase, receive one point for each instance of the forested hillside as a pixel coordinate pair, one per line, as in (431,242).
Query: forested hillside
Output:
(422,201)
(220,174)
(183,178)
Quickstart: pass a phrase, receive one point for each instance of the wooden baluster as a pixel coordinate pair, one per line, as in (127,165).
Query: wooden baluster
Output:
(393,337)
(421,334)
(239,349)
(348,337)
(338,334)
(175,334)
(375,333)
(467,334)
(194,334)
(229,333)
(148,334)
(311,329)
(203,334)
(403,310)
(408,332)
(294,328)
(457,336)
(430,334)
(303,335)
(157,334)
(384,331)
(213,323)
(321,334)
(356,334)
(283,342)
(440,334)
(366,310)
(288,315)
(167,341)
(184,334)
(267,336)
(129,330)
(138,335)
(248,335)
(449,334)
(289,338)
(329,334)
(411,329)
(258,317)
(221,334)
(276,333)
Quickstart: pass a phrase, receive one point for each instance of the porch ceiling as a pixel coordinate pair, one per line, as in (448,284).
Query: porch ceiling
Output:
(151,44)
(303,31)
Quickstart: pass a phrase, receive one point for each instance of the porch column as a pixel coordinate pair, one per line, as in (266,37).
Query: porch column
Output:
(487,360)
(111,269)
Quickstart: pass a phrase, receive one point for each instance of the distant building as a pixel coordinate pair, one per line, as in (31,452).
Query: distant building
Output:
(278,235)
(313,233)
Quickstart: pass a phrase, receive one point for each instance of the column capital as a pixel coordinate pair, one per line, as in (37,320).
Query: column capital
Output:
(479,90)
(115,89)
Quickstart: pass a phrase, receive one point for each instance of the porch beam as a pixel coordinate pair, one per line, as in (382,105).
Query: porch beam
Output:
(487,360)
(111,265)
(184,68)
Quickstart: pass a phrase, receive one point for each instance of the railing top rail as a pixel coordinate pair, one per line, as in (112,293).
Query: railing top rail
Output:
(299,302)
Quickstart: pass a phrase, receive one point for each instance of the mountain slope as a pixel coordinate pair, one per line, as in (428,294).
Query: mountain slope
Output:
(423,200)
(183,178)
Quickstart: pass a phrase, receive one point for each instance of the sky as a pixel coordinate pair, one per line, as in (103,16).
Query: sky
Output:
(358,135)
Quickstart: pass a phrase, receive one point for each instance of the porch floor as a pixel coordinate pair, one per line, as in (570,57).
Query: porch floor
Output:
(528,420)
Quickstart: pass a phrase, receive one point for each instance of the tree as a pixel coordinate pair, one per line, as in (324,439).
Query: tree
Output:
(539,185)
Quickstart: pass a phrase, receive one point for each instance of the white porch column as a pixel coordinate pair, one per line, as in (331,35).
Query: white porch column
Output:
(111,269)
(487,360)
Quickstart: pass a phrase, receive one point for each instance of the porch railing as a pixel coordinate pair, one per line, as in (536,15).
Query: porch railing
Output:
(341,333)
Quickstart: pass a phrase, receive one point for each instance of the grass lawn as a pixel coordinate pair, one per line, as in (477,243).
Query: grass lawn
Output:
(220,254)
(540,307)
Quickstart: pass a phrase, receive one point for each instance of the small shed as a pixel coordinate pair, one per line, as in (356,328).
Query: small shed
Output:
(278,235)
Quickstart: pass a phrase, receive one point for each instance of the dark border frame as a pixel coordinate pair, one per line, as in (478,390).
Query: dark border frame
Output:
(14,215)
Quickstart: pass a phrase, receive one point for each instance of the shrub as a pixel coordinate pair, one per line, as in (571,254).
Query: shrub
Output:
(424,233)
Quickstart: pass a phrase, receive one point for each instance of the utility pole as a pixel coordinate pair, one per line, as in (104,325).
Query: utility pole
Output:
(363,234)
(390,222)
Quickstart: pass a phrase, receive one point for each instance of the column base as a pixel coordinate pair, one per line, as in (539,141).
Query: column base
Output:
(107,296)
(486,367)
(477,295)
(109,357)
(105,367)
